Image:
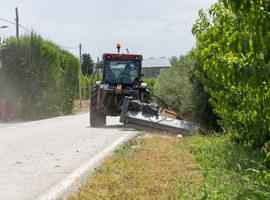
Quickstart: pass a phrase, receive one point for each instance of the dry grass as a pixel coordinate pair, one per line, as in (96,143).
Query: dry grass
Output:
(153,168)
(196,167)
(84,108)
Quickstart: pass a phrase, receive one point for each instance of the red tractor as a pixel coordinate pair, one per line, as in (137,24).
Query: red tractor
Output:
(122,93)
(121,78)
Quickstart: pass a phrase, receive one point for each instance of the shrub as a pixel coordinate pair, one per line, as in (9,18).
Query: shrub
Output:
(173,85)
(40,79)
(178,87)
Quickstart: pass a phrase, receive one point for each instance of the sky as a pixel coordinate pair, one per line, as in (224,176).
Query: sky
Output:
(153,28)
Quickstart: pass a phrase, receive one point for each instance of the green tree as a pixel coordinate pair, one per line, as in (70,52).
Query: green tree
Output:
(189,97)
(233,42)
(87,64)
(176,81)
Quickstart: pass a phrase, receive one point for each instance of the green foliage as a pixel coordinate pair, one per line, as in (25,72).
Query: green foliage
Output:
(100,64)
(233,42)
(86,85)
(125,150)
(202,109)
(179,88)
(173,85)
(87,64)
(184,92)
(230,171)
(39,79)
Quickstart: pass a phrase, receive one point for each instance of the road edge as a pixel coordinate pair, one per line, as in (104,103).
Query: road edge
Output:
(62,189)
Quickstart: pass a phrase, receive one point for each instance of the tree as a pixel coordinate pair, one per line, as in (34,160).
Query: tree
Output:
(87,64)
(100,64)
(176,81)
(189,97)
(233,42)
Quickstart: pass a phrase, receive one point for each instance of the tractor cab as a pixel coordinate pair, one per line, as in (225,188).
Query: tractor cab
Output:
(124,69)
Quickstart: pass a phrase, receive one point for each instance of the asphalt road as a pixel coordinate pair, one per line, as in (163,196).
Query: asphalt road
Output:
(47,158)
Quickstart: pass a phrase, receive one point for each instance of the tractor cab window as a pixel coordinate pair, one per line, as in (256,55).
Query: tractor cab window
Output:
(121,71)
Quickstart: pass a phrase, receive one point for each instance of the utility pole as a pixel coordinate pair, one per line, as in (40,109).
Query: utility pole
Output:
(17,23)
(80,75)
(98,67)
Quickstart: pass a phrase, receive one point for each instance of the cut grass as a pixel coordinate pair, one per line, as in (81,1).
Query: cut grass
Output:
(155,168)
(163,167)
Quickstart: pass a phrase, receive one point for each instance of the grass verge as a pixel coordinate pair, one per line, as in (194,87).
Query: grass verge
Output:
(85,104)
(163,167)
(230,171)
(154,168)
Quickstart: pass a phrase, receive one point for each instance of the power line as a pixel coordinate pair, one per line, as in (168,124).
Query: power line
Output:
(26,25)
(7,21)
(15,24)
(25,28)
(31,31)
(22,20)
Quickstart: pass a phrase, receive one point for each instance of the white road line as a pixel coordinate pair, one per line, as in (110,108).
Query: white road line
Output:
(61,187)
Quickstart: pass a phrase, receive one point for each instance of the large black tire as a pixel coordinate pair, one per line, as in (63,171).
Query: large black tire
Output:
(97,119)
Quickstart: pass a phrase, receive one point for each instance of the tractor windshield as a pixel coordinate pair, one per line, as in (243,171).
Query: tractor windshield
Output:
(121,71)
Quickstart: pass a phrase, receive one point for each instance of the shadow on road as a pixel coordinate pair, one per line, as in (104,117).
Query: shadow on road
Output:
(118,126)
(130,127)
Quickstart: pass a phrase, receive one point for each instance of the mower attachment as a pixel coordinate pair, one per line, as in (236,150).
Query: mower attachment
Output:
(153,119)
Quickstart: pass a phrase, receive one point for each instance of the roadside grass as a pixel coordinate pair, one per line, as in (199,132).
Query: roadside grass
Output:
(84,108)
(164,167)
(230,171)
(154,168)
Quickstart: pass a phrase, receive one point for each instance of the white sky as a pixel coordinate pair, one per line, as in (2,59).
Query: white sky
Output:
(154,28)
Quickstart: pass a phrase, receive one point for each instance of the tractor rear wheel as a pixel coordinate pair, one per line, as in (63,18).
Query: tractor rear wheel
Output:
(97,119)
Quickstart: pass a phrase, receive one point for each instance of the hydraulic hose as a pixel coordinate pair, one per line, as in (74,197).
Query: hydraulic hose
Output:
(166,105)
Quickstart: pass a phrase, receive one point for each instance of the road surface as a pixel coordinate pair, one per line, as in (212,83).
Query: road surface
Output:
(47,158)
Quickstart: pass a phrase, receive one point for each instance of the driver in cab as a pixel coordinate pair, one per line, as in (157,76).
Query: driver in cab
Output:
(124,76)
